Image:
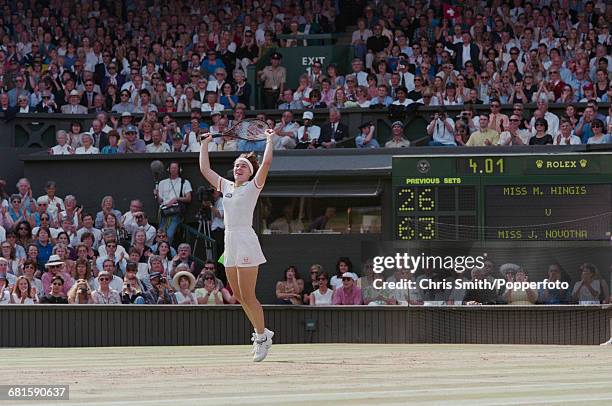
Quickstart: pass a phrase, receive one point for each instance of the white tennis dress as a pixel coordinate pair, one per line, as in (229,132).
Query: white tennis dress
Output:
(242,247)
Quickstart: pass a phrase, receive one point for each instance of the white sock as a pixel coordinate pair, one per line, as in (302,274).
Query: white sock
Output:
(261,336)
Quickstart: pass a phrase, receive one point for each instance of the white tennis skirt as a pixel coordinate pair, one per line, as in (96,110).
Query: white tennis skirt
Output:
(242,249)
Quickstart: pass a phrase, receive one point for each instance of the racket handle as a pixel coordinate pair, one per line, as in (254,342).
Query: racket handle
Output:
(201,136)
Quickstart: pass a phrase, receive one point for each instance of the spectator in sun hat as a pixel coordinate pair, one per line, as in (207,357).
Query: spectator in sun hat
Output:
(131,144)
(397,140)
(184,283)
(125,121)
(73,107)
(308,134)
(56,267)
(348,293)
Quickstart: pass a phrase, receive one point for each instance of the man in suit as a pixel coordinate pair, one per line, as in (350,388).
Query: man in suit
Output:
(73,106)
(100,138)
(466,51)
(101,69)
(47,104)
(5,107)
(332,131)
(200,92)
(113,77)
(88,97)
(98,106)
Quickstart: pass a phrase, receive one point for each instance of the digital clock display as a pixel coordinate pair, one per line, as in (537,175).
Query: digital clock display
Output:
(480,166)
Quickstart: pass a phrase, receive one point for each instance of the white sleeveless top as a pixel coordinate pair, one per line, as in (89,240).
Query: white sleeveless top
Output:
(238,203)
(323,299)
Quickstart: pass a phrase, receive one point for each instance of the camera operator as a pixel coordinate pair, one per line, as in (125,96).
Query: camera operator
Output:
(442,130)
(212,204)
(173,195)
(161,292)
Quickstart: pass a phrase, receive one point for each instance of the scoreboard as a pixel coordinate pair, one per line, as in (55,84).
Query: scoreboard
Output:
(549,197)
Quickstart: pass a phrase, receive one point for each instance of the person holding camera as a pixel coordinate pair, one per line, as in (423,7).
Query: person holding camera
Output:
(132,287)
(161,293)
(442,130)
(213,207)
(173,194)
(80,293)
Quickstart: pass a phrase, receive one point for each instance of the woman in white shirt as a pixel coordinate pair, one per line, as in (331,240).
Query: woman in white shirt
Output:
(62,147)
(23,293)
(323,295)
(87,147)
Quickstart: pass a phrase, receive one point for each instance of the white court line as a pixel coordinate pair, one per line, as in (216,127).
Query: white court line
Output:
(265,398)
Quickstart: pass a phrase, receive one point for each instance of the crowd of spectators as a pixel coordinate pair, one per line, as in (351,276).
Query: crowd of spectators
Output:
(345,287)
(53,252)
(134,64)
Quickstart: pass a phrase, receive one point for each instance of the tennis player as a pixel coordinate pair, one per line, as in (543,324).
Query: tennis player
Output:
(243,253)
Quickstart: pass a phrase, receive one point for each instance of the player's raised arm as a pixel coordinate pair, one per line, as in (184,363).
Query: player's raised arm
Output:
(262,173)
(211,176)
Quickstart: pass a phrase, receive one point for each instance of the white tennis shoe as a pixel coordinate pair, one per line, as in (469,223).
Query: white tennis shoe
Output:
(609,342)
(262,346)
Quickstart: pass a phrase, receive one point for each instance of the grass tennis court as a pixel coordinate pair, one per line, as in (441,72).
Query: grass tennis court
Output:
(323,374)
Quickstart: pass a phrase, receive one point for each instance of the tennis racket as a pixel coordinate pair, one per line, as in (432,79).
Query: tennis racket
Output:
(249,129)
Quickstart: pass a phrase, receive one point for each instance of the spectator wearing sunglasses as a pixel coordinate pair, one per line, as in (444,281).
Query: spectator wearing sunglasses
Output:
(55,268)
(599,135)
(47,103)
(513,134)
(323,296)
(313,284)
(56,295)
(541,136)
(349,293)
(104,294)
(209,293)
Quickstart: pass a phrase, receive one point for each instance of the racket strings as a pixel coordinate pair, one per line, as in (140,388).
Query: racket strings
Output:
(250,129)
